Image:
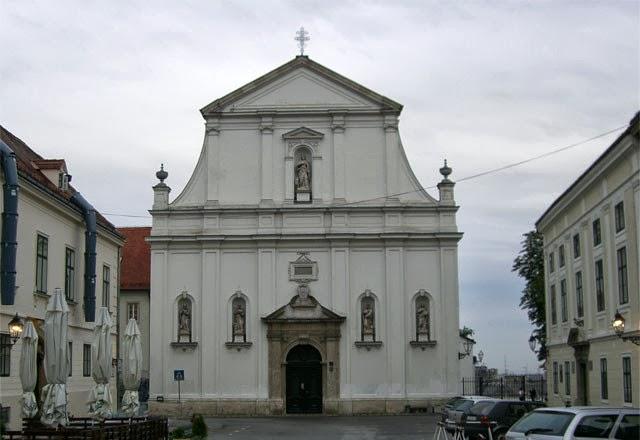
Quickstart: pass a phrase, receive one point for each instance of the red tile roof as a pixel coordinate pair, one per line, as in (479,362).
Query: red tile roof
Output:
(27,162)
(136,259)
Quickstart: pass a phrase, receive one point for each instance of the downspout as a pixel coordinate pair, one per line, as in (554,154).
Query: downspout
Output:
(9,225)
(89,256)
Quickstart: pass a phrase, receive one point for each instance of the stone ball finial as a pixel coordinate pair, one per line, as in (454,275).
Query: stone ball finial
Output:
(445,170)
(162,174)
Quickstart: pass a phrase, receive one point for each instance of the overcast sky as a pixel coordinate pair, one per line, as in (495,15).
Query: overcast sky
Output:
(115,88)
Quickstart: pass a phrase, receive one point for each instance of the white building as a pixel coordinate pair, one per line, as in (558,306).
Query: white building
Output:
(591,251)
(50,254)
(303,268)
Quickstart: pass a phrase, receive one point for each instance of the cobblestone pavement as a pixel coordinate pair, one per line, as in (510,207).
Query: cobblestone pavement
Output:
(410,427)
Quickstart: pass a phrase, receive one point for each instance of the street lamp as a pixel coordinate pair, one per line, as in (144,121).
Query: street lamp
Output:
(532,343)
(15,330)
(467,345)
(618,327)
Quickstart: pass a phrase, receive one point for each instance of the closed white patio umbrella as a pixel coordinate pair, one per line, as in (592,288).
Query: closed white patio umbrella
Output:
(100,397)
(29,370)
(132,368)
(56,361)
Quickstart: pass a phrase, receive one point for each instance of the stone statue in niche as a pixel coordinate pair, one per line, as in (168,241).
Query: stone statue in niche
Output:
(239,320)
(184,319)
(422,320)
(303,174)
(368,324)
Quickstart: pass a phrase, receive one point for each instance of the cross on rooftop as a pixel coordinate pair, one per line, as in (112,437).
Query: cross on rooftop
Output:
(302,37)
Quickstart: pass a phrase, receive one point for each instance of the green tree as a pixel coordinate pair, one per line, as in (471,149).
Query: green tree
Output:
(529,265)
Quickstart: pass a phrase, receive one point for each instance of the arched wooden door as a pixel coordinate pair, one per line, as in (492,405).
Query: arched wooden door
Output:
(304,380)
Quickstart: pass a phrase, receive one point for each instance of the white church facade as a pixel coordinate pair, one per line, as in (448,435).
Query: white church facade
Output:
(303,268)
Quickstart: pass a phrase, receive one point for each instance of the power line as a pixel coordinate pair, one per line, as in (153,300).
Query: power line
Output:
(463,179)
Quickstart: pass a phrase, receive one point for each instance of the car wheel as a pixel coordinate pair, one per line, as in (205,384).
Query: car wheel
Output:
(500,435)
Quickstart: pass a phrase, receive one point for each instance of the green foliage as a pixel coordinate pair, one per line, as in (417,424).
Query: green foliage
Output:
(179,432)
(529,265)
(198,426)
(467,332)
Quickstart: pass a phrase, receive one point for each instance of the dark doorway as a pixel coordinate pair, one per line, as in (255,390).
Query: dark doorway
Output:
(304,380)
(583,383)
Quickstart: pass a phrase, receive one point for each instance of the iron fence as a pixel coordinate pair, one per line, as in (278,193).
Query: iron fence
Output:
(506,387)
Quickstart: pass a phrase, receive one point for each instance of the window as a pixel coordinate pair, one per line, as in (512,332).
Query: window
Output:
(567,378)
(70,358)
(628,427)
(623,284)
(5,355)
(86,360)
(599,286)
(551,263)
(626,379)
(598,426)
(597,232)
(561,256)
(604,384)
(106,285)
(133,311)
(555,378)
(69,274)
(619,216)
(561,375)
(563,301)
(576,246)
(42,252)
(579,296)
(552,300)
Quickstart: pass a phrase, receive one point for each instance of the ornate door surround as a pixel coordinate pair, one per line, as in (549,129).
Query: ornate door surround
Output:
(304,322)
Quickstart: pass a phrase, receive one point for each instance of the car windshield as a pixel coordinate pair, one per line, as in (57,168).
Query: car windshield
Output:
(544,422)
(453,402)
(482,408)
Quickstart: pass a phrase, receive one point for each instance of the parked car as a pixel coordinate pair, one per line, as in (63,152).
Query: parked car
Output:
(577,422)
(461,406)
(498,415)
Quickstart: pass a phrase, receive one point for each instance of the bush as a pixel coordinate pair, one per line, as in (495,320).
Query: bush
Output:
(198,426)
(178,432)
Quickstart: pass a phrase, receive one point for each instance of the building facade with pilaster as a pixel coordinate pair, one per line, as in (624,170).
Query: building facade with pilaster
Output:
(303,268)
(592,275)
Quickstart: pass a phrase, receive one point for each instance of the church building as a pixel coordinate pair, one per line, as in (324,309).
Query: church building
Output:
(303,268)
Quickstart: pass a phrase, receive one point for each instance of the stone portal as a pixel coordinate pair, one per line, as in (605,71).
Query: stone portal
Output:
(304,357)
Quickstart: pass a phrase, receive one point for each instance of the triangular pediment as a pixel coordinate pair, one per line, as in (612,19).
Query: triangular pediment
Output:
(303,133)
(303,309)
(301,85)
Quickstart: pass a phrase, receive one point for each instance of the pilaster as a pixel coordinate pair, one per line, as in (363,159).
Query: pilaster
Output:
(390,154)
(339,166)
(266,144)
(212,131)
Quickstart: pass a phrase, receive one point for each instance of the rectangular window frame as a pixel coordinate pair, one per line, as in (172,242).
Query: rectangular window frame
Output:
(623,280)
(86,360)
(42,263)
(604,380)
(599,285)
(627,380)
(70,274)
(597,232)
(567,378)
(106,286)
(564,304)
(561,256)
(579,295)
(556,386)
(133,311)
(554,309)
(619,217)
(70,347)
(5,354)
(576,246)
(551,263)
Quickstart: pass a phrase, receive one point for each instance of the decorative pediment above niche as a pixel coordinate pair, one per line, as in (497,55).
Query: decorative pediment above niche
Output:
(302,136)
(303,133)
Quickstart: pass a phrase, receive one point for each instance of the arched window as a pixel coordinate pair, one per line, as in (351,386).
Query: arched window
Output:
(239,319)
(302,164)
(368,318)
(422,316)
(185,321)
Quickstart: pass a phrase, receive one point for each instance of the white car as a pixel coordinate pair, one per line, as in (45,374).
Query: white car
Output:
(577,423)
